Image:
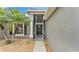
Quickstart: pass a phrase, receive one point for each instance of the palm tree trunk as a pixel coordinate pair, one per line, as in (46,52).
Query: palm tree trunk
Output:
(3,31)
(4,35)
(12,36)
(7,40)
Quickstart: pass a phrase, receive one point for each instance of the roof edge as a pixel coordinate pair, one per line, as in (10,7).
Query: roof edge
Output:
(48,13)
(34,10)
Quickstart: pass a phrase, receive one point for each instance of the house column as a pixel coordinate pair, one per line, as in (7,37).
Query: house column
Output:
(31,26)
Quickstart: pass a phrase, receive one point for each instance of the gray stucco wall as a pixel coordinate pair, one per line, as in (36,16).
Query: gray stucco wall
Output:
(62,29)
(1,36)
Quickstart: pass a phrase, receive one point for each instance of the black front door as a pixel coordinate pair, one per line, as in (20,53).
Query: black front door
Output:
(39,31)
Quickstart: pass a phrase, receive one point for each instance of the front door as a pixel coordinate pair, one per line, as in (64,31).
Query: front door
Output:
(39,31)
(38,26)
(18,29)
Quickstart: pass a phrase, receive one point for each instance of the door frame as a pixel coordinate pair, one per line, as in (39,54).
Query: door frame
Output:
(36,29)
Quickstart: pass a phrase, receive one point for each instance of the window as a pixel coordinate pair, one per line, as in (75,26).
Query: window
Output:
(39,18)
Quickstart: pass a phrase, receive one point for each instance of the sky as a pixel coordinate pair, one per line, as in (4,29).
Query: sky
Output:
(25,9)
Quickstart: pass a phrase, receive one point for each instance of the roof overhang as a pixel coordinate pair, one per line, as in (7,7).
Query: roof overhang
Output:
(36,11)
(48,13)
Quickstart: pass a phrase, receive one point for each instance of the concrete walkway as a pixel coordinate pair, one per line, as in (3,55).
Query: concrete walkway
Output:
(39,46)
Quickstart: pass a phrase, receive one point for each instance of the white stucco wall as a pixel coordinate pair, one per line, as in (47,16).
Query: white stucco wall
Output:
(62,29)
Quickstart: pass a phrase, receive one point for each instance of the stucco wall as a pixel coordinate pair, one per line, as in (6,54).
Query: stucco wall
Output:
(62,29)
(9,36)
(1,36)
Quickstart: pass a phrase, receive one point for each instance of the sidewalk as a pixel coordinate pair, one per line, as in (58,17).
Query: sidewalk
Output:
(39,46)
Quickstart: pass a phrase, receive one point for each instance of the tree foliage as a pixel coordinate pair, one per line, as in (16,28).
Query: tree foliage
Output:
(10,16)
(16,16)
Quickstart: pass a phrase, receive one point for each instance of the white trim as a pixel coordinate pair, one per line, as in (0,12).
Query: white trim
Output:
(40,23)
(13,28)
(37,13)
(19,34)
(23,29)
(31,26)
(35,10)
(31,29)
